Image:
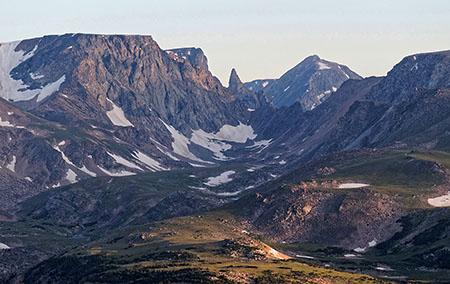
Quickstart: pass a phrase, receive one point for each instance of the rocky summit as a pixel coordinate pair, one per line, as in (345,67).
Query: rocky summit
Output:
(122,162)
(310,82)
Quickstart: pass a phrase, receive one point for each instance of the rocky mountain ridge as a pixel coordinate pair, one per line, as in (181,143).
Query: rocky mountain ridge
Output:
(310,82)
(86,119)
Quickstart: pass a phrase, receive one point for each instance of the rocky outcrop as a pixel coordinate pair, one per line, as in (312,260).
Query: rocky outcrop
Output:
(194,56)
(124,84)
(333,218)
(251,99)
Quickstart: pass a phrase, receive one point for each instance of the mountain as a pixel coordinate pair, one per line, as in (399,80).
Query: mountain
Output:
(399,110)
(310,82)
(163,104)
(123,162)
(251,99)
(297,136)
(407,108)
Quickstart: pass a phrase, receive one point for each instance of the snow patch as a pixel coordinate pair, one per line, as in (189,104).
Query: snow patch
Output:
(238,134)
(181,143)
(5,123)
(66,159)
(282,162)
(29,179)
(261,145)
(264,84)
(199,188)
(441,201)
(56,185)
(150,162)
(358,249)
(36,76)
(220,179)
(373,243)
(12,165)
(49,89)
(323,66)
(304,256)
(349,255)
(250,109)
(85,170)
(16,90)
(384,268)
(71,176)
(4,246)
(287,88)
(234,193)
(352,185)
(210,142)
(216,142)
(124,162)
(345,74)
(197,165)
(117,116)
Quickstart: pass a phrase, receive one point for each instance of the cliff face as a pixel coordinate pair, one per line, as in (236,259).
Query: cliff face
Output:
(131,72)
(107,105)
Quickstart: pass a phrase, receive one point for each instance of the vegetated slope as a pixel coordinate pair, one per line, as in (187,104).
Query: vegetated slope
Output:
(207,248)
(119,105)
(308,205)
(38,154)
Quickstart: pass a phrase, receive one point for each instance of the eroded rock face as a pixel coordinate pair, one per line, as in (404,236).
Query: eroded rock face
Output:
(130,71)
(334,218)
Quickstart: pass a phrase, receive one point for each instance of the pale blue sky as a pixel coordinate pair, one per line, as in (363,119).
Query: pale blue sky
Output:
(261,39)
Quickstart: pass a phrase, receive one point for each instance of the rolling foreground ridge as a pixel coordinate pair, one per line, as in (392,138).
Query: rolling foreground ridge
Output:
(126,163)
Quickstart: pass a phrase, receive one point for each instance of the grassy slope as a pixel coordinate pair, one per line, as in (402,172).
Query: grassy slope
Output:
(398,173)
(199,240)
(197,243)
(401,174)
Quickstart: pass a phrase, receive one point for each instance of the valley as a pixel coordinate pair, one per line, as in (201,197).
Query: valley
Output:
(126,163)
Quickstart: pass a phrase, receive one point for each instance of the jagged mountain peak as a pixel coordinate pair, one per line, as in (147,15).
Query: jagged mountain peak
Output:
(235,83)
(252,99)
(193,55)
(310,82)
